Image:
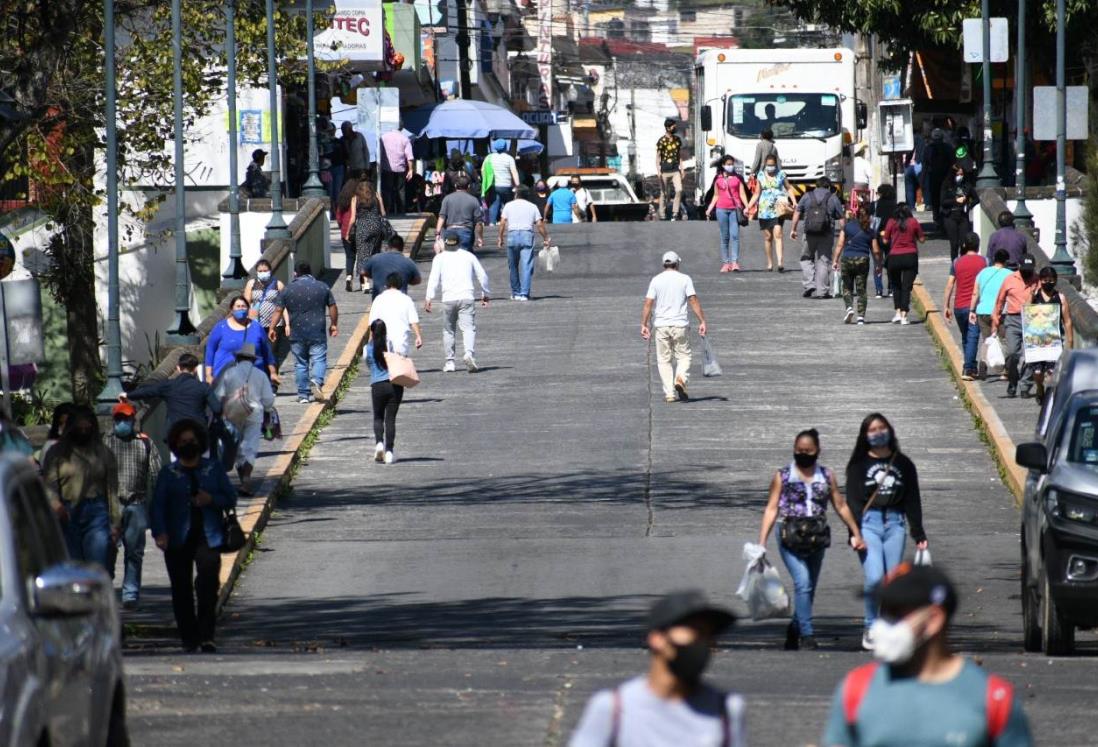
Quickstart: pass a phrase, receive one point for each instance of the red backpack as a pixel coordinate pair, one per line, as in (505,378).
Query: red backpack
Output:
(999,699)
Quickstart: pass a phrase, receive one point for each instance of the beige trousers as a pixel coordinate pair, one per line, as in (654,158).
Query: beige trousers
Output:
(675,178)
(672,343)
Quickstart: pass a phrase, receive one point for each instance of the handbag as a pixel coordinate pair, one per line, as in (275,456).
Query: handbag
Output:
(805,535)
(231,531)
(402,372)
(741,216)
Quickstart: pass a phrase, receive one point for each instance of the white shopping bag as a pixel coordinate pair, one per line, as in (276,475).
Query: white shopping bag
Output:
(549,258)
(922,557)
(993,353)
(761,586)
(712,366)
(836,283)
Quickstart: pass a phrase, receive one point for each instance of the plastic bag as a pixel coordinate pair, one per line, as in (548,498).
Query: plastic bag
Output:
(836,283)
(993,353)
(272,425)
(761,586)
(712,365)
(922,557)
(549,258)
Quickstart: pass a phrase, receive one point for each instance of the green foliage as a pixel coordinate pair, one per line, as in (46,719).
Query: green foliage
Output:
(1090,215)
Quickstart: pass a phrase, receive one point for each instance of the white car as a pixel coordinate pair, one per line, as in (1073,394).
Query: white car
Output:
(611,194)
(60,650)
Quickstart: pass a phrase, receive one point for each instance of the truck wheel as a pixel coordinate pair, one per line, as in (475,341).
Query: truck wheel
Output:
(1031,609)
(1057,636)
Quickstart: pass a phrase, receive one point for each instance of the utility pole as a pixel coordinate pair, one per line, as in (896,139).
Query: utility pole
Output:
(463,42)
(235,272)
(988,177)
(183,332)
(313,186)
(276,227)
(1061,260)
(633,133)
(1022,216)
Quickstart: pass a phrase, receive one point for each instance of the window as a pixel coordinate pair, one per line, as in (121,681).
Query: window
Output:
(787,115)
(1084,438)
(688,16)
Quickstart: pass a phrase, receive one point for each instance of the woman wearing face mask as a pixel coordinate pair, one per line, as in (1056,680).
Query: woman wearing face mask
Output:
(1047,294)
(186,519)
(261,292)
(798,500)
(729,196)
(958,197)
(773,186)
(81,475)
(883,489)
(230,334)
(540,196)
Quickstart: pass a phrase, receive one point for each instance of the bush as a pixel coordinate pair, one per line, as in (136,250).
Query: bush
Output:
(1089,239)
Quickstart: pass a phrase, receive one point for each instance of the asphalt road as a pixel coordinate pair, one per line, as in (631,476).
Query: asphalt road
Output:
(479,590)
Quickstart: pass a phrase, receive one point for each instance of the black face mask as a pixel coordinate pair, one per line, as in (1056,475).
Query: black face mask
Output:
(805,460)
(82,437)
(188,451)
(690,661)
(1049,288)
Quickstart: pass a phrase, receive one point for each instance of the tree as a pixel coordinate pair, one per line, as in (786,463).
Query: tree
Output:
(51,65)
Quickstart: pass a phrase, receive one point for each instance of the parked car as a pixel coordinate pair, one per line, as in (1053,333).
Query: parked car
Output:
(1060,512)
(613,197)
(60,652)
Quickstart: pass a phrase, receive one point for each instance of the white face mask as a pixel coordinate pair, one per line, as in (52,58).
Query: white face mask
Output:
(263,276)
(893,643)
(771,169)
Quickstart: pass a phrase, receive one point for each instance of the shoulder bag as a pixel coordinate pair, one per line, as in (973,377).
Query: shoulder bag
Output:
(231,531)
(805,535)
(402,371)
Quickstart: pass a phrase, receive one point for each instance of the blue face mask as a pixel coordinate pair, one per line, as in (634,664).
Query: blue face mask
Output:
(240,314)
(879,439)
(123,428)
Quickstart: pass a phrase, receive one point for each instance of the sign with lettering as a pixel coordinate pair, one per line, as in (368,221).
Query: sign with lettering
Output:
(539,117)
(356,33)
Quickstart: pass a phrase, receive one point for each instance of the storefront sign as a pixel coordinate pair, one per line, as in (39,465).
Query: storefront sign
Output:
(356,33)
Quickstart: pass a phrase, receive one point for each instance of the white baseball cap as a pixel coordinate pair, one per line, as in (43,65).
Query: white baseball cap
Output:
(671,258)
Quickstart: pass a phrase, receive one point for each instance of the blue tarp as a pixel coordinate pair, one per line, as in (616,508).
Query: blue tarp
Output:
(462,118)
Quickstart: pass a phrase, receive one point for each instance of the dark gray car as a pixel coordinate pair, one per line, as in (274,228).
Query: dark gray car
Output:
(60,655)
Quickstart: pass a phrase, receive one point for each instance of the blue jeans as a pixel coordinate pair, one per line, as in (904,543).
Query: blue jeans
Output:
(805,570)
(520,260)
(878,277)
(464,234)
(310,363)
(970,339)
(135,522)
(884,534)
(88,531)
(730,235)
(500,197)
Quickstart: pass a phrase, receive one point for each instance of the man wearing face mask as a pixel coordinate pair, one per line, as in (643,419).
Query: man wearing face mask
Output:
(585,203)
(920,692)
(671,705)
(669,154)
(138,465)
(1015,292)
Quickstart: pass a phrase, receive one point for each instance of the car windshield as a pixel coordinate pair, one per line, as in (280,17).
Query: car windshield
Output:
(787,115)
(1083,448)
(606,190)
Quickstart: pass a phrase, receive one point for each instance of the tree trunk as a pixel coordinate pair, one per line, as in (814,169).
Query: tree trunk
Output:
(82,327)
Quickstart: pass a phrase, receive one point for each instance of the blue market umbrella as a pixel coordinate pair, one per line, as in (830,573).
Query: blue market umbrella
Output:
(462,118)
(532,147)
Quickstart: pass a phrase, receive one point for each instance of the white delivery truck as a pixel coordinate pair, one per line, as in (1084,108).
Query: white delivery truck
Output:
(805,97)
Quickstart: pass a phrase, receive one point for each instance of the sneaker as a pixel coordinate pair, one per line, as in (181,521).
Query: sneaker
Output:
(808,293)
(861,321)
(680,388)
(671,399)
(825,295)
(878,296)
(735,267)
(522,298)
(896,319)
(315,390)
(726,267)
(1012,390)
(849,317)
(389,458)
(808,643)
(967,376)
(514,297)
(449,367)
(471,363)
(209,647)
(867,641)
(379,452)
(348,285)
(305,399)
(792,637)
(905,321)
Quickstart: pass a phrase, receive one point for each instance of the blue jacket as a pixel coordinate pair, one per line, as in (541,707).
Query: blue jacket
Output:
(170,512)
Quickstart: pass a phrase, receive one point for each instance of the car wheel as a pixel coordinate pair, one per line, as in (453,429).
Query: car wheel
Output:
(1057,636)
(117,734)
(1031,608)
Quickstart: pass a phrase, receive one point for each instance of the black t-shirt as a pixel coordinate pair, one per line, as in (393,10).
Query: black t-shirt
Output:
(899,488)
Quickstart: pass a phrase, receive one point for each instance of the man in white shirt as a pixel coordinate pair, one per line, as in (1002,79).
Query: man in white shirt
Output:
(504,178)
(517,223)
(670,293)
(585,203)
(454,273)
(398,311)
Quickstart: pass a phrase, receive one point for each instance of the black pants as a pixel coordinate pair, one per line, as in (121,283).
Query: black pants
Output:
(392,191)
(956,226)
(349,254)
(387,399)
(194,556)
(902,269)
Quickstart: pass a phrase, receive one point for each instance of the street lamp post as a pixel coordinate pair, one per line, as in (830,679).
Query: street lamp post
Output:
(113,386)
(1022,216)
(235,272)
(183,333)
(276,227)
(988,177)
(1061,260)
(312,186)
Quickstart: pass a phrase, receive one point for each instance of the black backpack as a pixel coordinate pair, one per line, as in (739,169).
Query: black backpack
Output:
(816,217)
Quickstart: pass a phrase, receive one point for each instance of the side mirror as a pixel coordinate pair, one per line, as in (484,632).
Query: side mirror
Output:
(706,118)
(1032,456)
(70,589)
(861,114)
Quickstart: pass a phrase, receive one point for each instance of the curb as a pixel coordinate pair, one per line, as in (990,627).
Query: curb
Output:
(1000,443)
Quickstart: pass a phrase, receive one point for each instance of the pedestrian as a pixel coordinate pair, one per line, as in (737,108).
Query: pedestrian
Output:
(384,394)
(1007,238)
(1016,291)
(764,149)
(962,279)
(884,207)
(184,395)
(541,196)
(309,311)
(585,202)
(903,234)
(984,293)
(398,311)
(380,266)
(245,396)
(1047,294)
(518,221)
(799,494)
(233,332)
(728,201)
(81,475)
(257,184)
(397,168)
(345,220)
(562,206)
(337,155)
(672,704)
(863,175)
(356,151)
(504,179)
(773,187)
(138,465)
(186,518)
(669,156)
(58,420)
(368,220)
(913,167)
(857,245)
(454,274)
(461,213)
(938,157)
(669,294)
(820,209)
(262,292)
(882,487)
(919,692)
(455,166)
(956,200)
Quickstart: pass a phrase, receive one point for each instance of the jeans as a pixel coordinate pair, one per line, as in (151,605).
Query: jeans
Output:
(338,174)
(816,263)
(464,234)
(911,184)
(461,314)
(730,235)
(855,273)
(902,270)
(88,531)
(672,343)
(879,274)
(520,260)
(194,572)
(135,523)
(884,535)
(310,363)
(500,197)
(970,339)
(386,399)
(392,191)
(805,571)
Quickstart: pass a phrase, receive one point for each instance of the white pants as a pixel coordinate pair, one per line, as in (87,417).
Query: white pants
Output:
(672,343)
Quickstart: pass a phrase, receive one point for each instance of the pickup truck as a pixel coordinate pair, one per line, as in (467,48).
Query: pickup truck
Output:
(613,197)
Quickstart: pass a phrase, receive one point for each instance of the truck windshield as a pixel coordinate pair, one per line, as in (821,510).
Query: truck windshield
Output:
(787,115)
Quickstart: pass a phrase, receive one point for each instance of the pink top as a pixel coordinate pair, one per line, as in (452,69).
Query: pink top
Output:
(343,218)
(398,151)
(727,189)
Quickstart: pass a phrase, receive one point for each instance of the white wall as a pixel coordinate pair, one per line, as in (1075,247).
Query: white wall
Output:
(252,228)
(1044,218)
(653,106)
